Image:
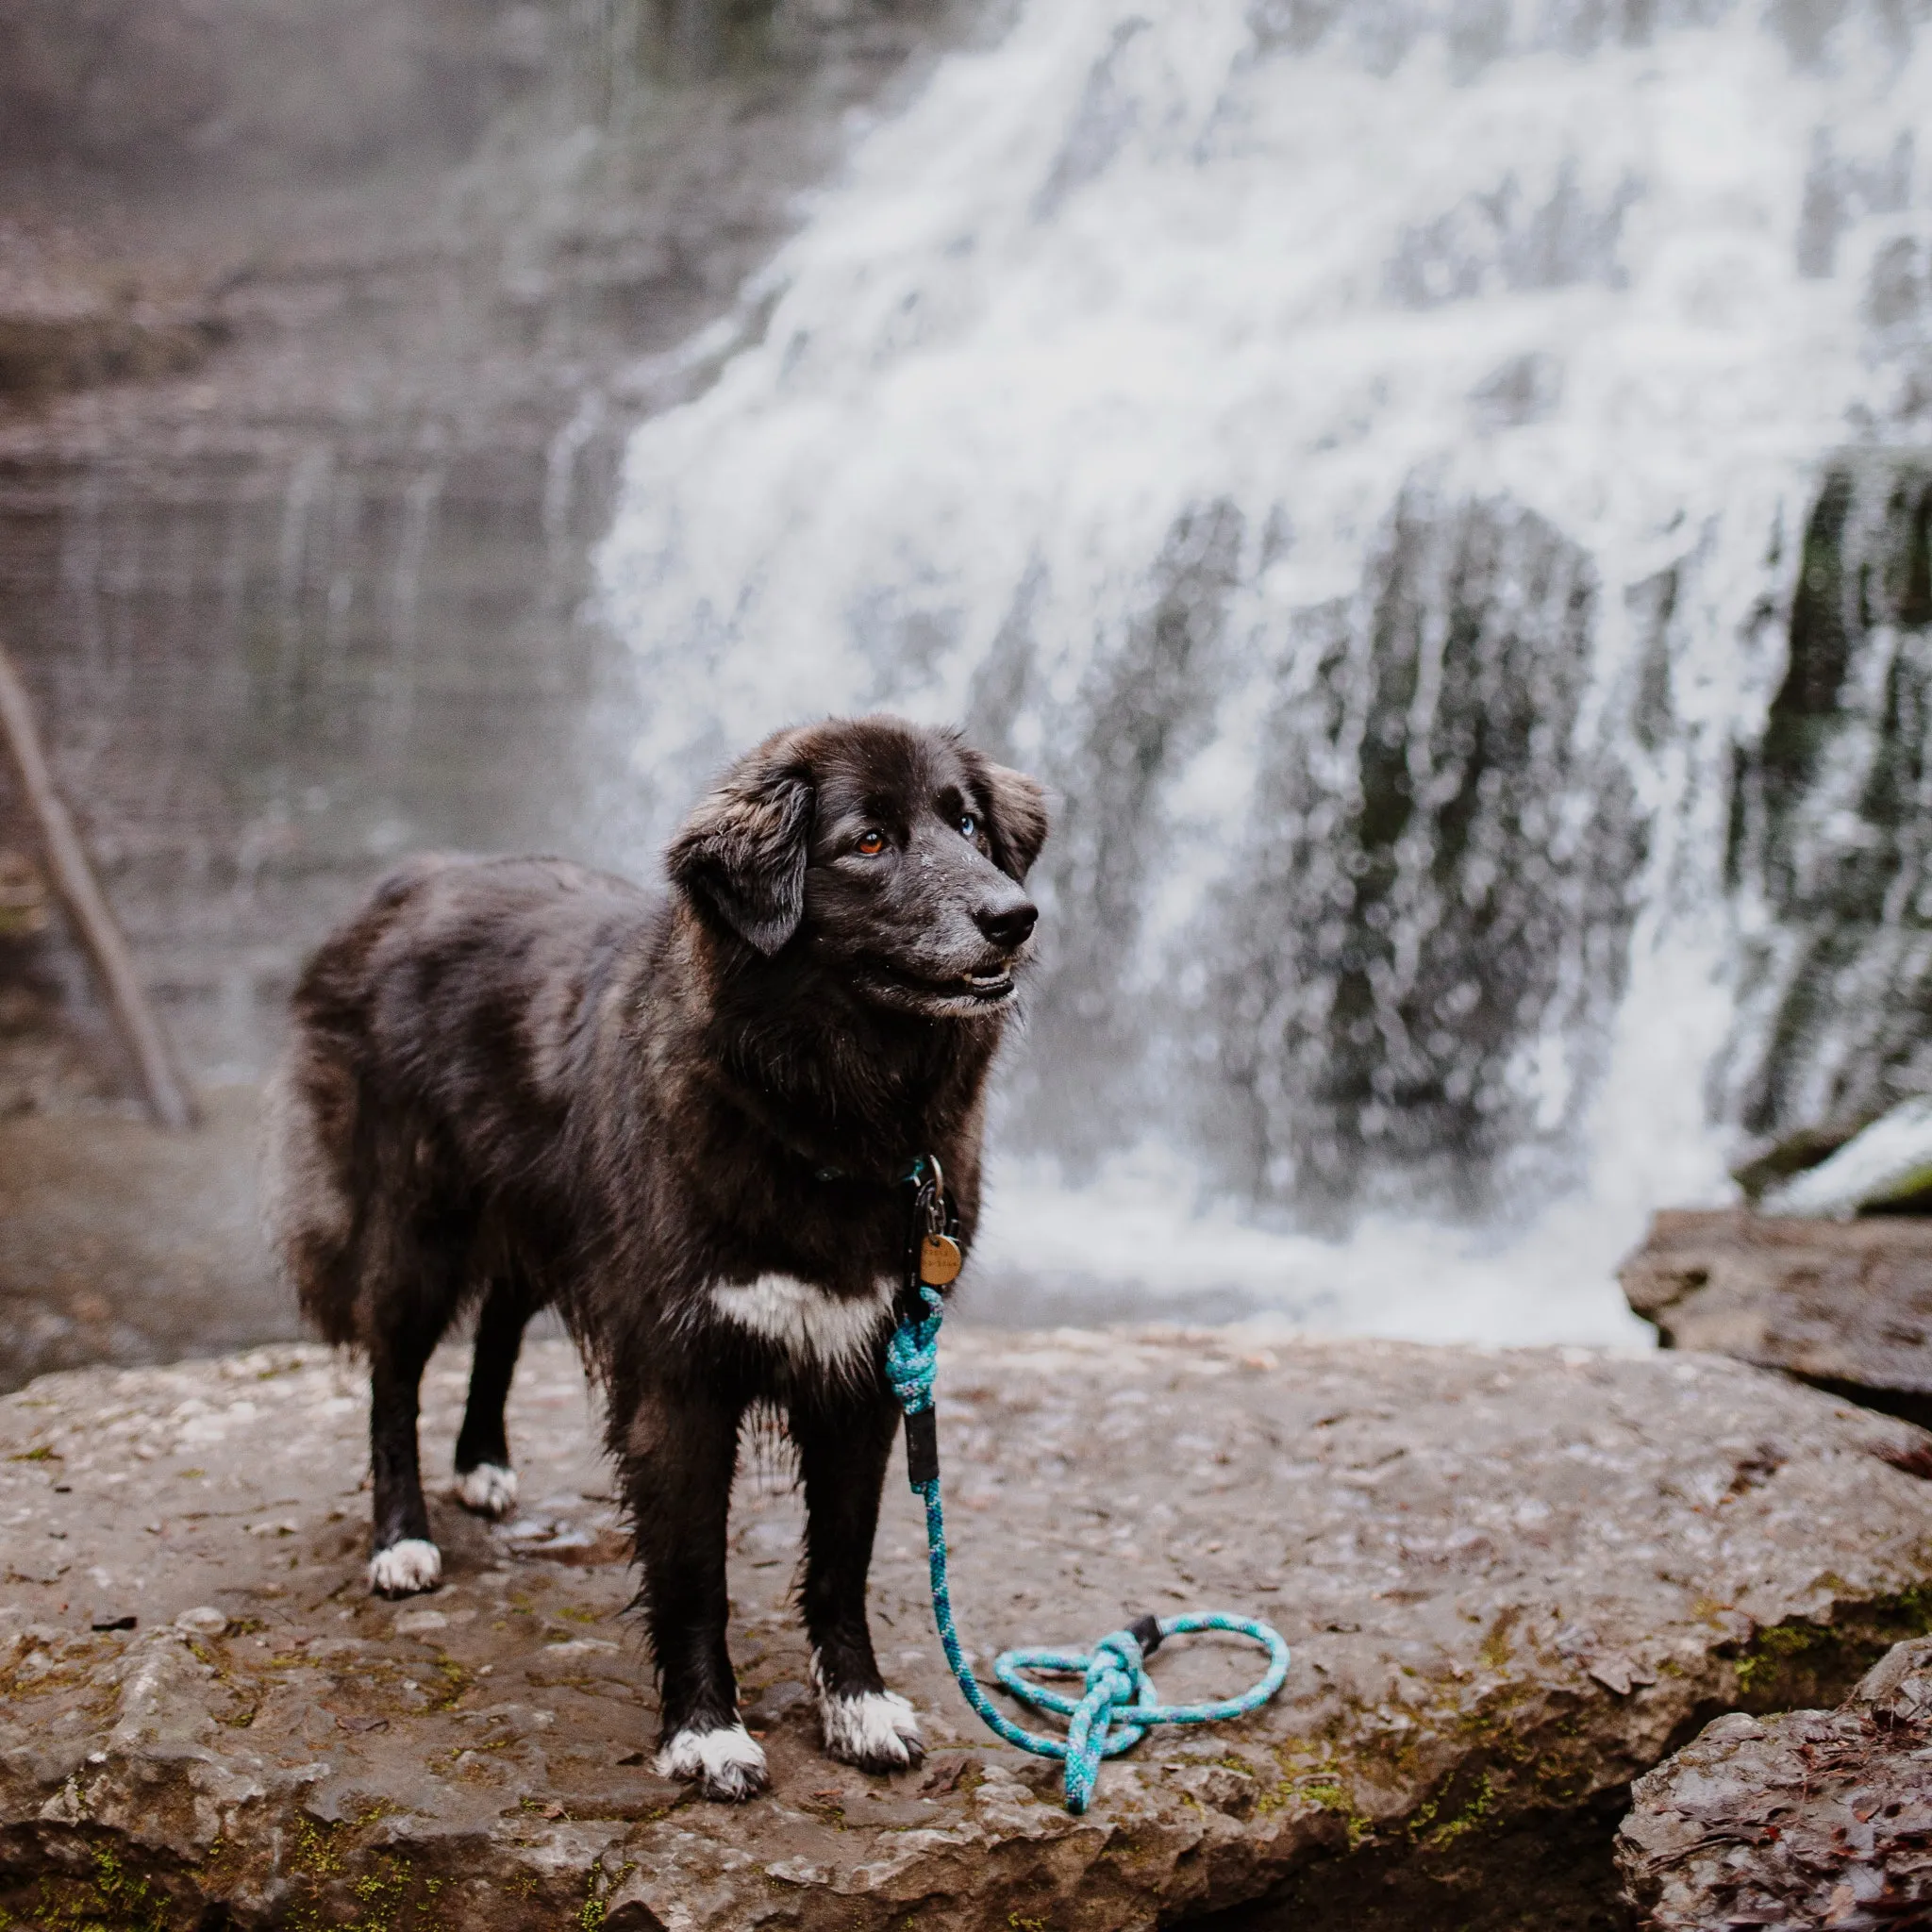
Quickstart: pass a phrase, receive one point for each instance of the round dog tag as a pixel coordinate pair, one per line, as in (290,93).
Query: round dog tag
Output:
(939,1259)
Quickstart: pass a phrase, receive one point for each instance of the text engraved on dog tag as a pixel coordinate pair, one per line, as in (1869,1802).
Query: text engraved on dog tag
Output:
(939,1259)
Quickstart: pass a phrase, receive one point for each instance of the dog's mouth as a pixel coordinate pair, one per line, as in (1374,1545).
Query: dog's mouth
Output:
(989,986)
(994,985)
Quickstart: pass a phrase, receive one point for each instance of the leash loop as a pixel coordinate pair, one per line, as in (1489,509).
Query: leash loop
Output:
(1118,1704)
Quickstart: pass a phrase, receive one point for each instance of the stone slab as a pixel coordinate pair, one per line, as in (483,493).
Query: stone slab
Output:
(1513,1581)
(1814,1817)
(1846,1304)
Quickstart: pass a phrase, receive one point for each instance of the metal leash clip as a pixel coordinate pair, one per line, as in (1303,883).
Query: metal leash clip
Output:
(939,1253)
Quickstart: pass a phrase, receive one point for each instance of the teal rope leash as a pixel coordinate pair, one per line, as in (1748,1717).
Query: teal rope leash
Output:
(1117,1706)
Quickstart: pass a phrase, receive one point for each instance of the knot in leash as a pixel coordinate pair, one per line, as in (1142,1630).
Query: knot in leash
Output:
(912,1357)
(1118,1704)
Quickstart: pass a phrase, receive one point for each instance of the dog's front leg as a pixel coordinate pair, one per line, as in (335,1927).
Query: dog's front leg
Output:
(844,1448)
(679,1454)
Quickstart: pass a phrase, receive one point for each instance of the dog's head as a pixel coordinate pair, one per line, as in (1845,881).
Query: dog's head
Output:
(892,856)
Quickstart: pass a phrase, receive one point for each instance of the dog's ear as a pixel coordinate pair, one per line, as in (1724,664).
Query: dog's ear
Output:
(1016,822)
(740,855)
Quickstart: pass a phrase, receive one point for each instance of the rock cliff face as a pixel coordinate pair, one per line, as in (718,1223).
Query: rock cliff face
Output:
(1812,1818)
(319,333)
(1513,1581)
(320,329)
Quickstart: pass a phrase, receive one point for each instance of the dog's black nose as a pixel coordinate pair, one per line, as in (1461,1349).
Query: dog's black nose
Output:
(1007,926)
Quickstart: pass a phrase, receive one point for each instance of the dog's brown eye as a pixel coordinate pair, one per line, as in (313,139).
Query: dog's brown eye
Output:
(872,844)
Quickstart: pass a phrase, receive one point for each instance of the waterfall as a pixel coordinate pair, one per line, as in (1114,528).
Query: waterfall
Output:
(1441,492)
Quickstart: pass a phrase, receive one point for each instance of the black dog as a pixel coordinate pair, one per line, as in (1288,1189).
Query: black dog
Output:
(683,1120)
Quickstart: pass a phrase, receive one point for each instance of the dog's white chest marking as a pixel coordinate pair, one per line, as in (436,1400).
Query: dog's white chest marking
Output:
(829,1331)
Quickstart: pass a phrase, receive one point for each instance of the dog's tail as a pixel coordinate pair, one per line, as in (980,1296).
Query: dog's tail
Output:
(308,1192)
(314,1133)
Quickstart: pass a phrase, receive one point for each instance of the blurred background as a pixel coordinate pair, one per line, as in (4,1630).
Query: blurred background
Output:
(1440,489)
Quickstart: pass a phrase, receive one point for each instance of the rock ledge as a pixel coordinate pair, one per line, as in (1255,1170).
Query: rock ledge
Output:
(1513,1580)
(1843,1305)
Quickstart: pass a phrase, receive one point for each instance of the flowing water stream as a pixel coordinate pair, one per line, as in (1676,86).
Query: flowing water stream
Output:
(1441,492)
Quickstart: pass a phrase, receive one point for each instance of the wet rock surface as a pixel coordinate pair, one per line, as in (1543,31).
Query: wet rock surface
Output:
(121,1242)
(1813,1818)
(1514,1582)
(1846,1304)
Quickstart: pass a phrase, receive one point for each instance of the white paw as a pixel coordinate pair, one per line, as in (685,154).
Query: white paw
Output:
(726,1763)
(489,1489)
(406,1569)
(878,1730)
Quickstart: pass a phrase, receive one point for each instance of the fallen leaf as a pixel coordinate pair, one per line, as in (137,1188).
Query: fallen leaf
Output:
(945,1774)
(607,1546)
(1617,1672)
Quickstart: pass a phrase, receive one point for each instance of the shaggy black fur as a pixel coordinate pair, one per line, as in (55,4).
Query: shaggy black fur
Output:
(680,1120)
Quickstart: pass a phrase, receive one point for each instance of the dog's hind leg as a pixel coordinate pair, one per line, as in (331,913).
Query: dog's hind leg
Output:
(405,1558)
(842,1453)
(485,1481)
(678,1454)
(413,1303)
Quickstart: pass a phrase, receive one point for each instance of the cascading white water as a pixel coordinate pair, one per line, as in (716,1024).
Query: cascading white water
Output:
(1364,456)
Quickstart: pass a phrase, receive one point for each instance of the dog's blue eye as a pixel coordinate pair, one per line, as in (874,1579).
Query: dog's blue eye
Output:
(969,825)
